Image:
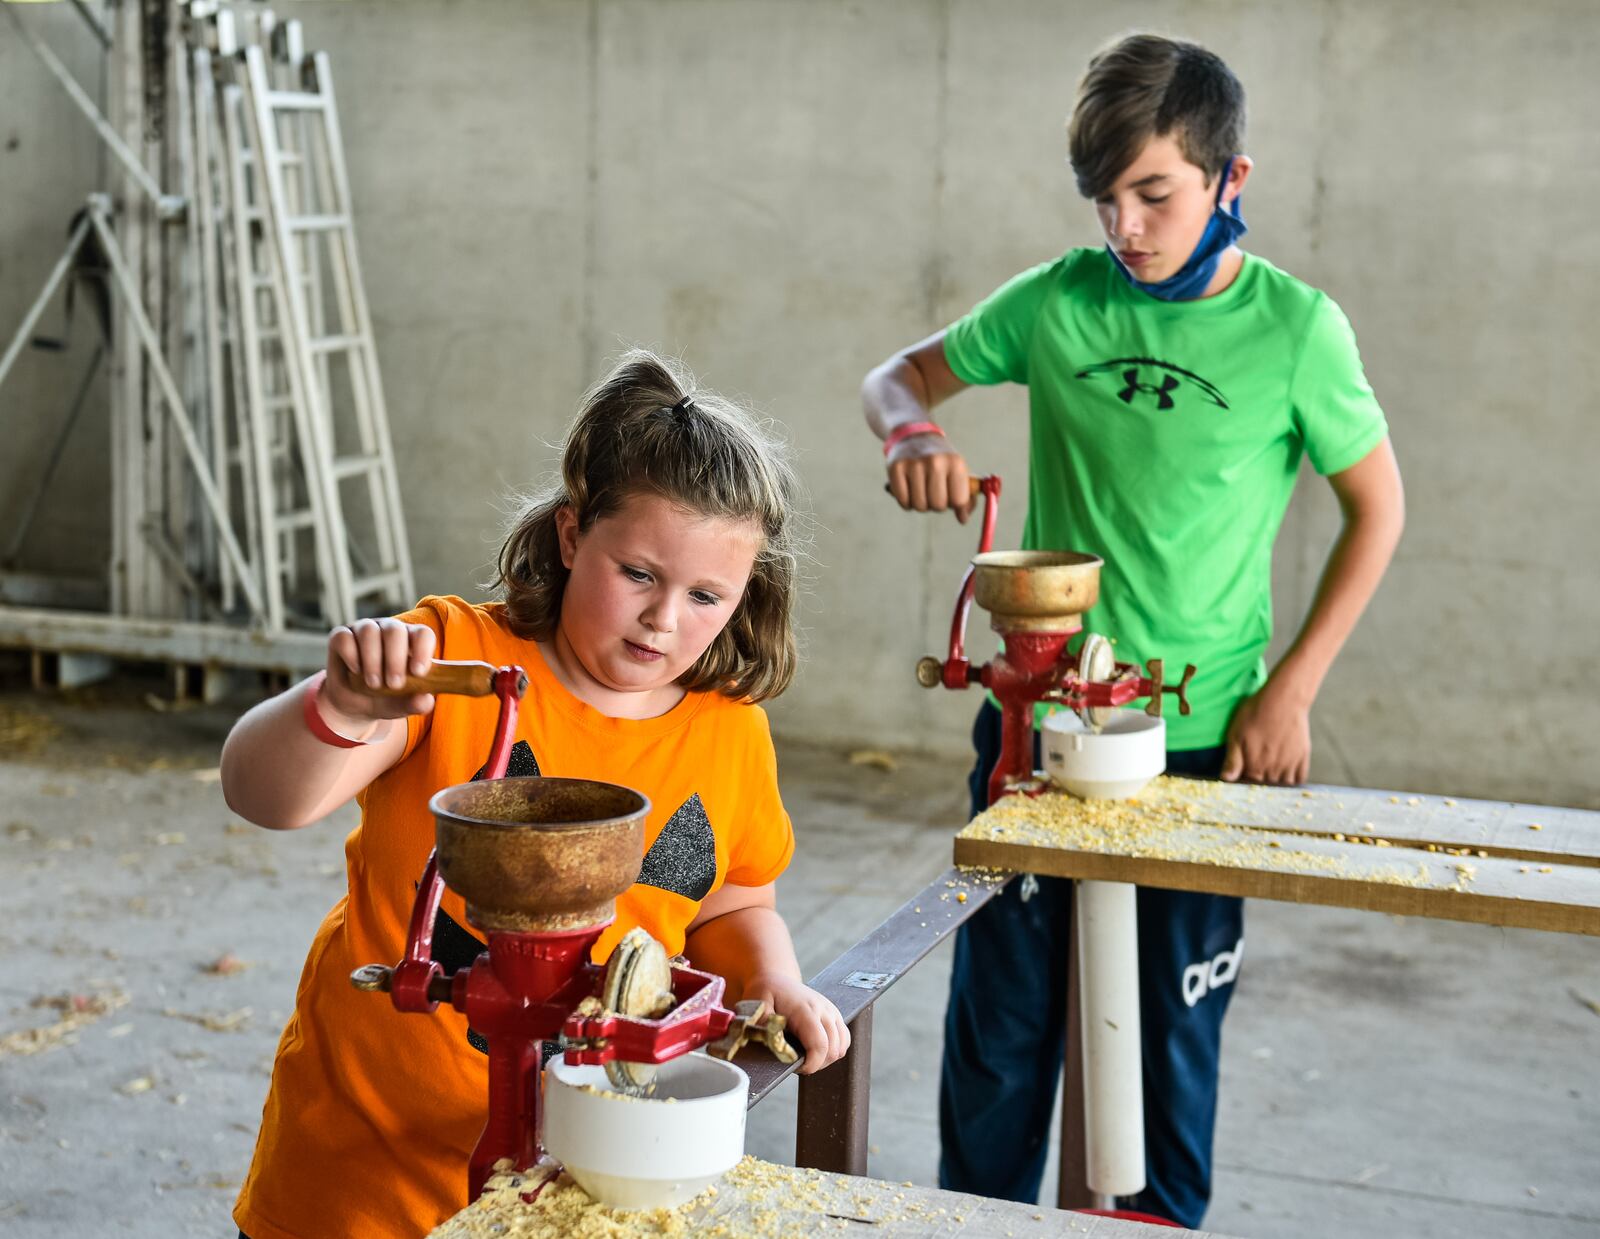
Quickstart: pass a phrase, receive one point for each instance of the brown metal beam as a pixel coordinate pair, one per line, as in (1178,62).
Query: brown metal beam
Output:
(865,972)
(831,1131)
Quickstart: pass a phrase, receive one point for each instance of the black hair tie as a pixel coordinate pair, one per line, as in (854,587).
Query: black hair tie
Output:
(683,406)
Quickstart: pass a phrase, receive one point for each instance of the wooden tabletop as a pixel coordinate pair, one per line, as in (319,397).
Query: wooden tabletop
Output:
(759,1199)
(1492,862)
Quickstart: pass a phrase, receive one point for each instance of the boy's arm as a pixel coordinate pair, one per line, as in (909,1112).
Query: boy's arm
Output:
(739,936)
(277,774)
(1269,740)
(925,473)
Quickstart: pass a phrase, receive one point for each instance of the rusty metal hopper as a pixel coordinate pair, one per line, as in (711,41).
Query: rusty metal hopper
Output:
(1036,591)
(536,854)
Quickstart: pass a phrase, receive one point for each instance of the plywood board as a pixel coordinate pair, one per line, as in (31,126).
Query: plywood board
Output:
(1526,831)
(1378,851)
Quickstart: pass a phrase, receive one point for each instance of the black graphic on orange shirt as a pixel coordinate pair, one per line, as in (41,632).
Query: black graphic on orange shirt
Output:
(683,858)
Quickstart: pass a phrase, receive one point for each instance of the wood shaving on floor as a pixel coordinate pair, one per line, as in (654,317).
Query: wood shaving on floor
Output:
(23,731)
(77,1011)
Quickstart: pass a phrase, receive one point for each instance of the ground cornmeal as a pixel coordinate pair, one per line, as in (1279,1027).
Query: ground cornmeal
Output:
(773,1202)
(1166,821)
(561,1209)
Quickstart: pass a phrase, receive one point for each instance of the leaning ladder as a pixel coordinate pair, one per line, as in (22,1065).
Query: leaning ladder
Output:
(268,402)
(304,197)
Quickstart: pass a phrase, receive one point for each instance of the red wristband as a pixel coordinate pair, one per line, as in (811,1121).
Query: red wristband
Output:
(900,433)
(318,725)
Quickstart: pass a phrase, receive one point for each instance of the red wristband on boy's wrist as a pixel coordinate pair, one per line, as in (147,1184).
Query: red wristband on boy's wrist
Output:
(319,725)
(900,433)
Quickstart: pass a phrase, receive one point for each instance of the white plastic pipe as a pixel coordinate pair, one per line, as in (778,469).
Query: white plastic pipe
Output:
(1113,1073)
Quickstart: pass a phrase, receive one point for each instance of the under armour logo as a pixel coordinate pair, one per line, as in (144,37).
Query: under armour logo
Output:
(1209,974)
(1130,370)
(1134,387)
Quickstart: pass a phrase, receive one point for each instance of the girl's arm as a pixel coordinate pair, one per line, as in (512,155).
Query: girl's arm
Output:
(739,936)
(277,774)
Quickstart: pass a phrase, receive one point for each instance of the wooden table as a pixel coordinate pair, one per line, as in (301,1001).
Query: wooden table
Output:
(1216,837)
(1490,862)
(1526,866)
(759,1199)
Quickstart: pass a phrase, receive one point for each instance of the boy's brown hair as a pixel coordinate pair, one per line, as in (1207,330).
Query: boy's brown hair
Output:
(637,434)
(1147,86)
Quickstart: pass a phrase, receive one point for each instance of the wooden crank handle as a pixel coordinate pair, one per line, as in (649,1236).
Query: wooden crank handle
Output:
(468,679)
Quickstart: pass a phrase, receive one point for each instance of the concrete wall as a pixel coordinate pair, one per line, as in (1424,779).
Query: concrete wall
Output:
(49,160)
(785,191)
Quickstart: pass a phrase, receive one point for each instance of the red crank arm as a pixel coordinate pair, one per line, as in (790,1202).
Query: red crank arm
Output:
(413,976)
(954,671)
(412,984)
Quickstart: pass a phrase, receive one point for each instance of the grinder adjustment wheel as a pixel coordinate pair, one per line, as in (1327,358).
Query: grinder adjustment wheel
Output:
(639,985)
(1096,661)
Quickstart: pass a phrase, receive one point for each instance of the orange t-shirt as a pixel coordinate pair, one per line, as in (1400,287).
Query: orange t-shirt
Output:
(372,1113)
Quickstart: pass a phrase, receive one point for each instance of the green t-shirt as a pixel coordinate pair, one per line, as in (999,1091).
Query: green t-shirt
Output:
(1165,437)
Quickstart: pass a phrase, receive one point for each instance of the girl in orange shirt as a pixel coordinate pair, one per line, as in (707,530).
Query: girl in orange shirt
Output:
(648,596)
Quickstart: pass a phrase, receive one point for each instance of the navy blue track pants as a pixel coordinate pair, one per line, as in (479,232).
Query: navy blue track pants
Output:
(1003,1037)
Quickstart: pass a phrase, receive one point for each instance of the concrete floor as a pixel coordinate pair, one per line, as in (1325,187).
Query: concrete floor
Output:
(1382,1076)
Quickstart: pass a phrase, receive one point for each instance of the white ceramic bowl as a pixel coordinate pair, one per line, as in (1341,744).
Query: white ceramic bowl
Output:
(1129,751)
(653,1152)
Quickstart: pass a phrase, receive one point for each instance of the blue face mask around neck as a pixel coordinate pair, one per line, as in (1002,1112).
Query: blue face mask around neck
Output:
(1225,226)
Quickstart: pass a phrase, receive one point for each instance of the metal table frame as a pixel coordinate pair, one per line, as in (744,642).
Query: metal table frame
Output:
(831,1131)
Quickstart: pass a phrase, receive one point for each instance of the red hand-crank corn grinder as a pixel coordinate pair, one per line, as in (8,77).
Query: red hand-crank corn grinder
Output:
(540,862)
(1036,601)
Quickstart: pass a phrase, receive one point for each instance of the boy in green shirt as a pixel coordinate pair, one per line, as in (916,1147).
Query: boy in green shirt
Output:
(1173,384)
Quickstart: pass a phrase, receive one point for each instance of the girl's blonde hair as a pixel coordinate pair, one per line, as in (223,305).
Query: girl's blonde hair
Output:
(643,429)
